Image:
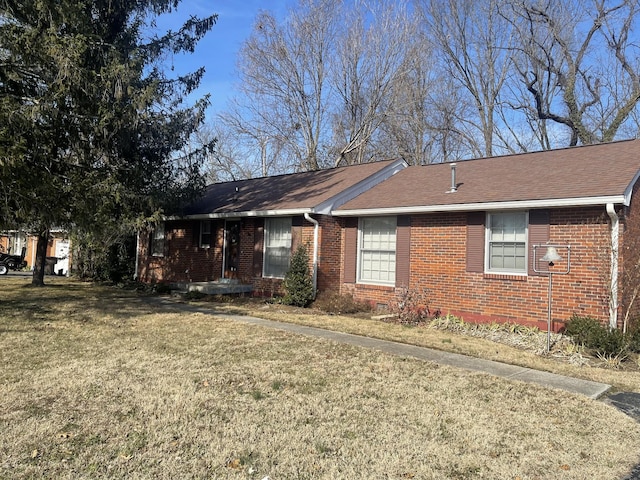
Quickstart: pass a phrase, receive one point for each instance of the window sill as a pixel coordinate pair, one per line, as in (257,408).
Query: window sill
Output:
(506,276)
(375,286)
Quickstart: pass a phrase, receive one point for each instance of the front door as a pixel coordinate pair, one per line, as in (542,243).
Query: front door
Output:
(231,248)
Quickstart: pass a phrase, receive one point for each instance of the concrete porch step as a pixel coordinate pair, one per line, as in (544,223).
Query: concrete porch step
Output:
(213,288)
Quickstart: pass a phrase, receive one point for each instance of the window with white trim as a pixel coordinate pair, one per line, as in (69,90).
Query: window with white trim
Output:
(277,246)
(507,242)
(205,234)
(157,240)
(377,250)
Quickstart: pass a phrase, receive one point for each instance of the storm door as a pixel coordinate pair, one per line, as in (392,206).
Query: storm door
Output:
(231,249)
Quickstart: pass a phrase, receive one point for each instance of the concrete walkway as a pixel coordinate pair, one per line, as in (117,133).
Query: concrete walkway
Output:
(573,385)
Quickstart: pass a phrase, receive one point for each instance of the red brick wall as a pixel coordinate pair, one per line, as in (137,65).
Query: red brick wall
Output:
(329,254)
(184,260)
(629,249)
(438,264)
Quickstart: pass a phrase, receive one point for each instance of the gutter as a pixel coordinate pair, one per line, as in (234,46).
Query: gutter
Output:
(613,300)
(482,206)
(315,252)
(248,213)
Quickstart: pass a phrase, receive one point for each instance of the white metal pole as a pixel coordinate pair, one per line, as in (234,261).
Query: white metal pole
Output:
(549,314)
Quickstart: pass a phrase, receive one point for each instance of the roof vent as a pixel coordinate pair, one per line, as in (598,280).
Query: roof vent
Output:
(454,184)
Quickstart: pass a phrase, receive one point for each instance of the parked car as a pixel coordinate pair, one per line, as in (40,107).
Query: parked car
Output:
(12,262)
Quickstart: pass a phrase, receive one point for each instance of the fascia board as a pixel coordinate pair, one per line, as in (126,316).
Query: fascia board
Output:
(326,207)
(251,213)
(466,207)
(629,190)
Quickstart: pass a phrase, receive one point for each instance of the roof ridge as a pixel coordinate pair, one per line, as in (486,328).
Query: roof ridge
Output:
(520,154)
(306,172)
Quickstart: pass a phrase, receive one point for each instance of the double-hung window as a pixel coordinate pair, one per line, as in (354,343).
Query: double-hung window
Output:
(205,234)
(157,240)
(507,242)
(277,246)
(377,250)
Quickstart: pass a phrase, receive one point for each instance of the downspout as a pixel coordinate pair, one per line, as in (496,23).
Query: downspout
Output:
(314,275)
(135,274)
(34,244)
(613,301)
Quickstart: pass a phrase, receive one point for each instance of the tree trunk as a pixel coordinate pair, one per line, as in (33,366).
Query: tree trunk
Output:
(40,262)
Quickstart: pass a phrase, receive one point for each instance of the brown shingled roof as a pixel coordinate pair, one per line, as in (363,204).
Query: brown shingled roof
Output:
(298,191)
(602,170)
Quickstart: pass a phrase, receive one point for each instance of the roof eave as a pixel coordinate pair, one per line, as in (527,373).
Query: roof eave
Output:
(250,213)
(629,190)
(466,207)
(329,205)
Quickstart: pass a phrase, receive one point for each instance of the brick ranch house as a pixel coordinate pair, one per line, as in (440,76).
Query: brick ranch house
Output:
(465,234)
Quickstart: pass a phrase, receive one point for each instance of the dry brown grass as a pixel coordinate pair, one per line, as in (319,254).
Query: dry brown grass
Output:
(558,362)
(95,384)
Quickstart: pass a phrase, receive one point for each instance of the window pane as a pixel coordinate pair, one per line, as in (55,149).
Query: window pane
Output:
(277,248)
(378,250)
(157,243)
(205,234)
(507,241)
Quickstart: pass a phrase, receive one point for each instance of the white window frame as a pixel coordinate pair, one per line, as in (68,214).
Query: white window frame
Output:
(277,243)
(489,243)
(203,224)
(157,240)
(367,252)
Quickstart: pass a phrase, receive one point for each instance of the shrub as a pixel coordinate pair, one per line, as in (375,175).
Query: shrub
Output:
(584,330)
(634,339)
(590,333)
(332,302)
(412,306)
(298,285)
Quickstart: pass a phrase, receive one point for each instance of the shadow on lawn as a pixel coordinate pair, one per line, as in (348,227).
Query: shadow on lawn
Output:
(69,300)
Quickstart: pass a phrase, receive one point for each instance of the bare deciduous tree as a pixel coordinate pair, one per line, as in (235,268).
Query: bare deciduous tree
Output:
(284,70)
(260,145)
(473,41)
(434,80)
(369,64)
(579,64)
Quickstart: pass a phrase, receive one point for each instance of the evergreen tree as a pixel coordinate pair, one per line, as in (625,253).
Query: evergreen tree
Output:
(298,284)
(89,121)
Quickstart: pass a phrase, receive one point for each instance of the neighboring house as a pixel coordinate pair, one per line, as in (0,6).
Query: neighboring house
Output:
(58,248)
(465,235)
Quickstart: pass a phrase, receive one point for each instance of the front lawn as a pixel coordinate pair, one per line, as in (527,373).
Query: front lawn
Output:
(96,384)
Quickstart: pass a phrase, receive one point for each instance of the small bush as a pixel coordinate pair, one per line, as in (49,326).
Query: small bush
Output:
(412,306)
(634,339)
(298,285)
(590,333)
(584,330)
(332,302)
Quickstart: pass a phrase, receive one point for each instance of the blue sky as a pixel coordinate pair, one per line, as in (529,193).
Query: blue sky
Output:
(217,52)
